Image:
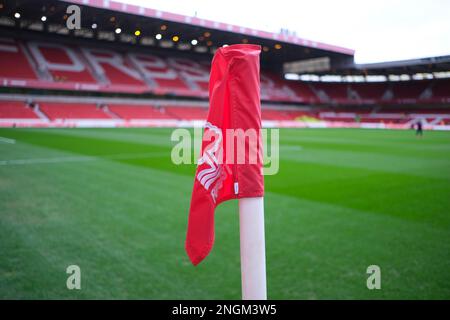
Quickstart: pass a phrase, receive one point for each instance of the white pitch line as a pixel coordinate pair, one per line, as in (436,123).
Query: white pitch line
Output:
(7,140)
(123,156)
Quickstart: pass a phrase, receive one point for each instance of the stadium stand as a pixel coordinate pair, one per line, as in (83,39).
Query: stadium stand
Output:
(80,65)
(335,92)
(129,112)
(305,91)
(279,115)
(187,112)
(58,63)
(409,90)
(168,81)
(74,65)
(369,91)
(16,110)
(441,89)
(13,62)
(56,111)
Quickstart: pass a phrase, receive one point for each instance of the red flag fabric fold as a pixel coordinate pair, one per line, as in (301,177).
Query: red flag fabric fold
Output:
(226,171)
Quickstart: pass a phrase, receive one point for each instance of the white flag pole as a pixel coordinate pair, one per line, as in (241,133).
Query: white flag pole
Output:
(253,248)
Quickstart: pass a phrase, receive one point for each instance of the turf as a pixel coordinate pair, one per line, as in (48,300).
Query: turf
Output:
(111,201)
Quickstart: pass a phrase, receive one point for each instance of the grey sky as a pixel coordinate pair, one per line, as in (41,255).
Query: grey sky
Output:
(381,30)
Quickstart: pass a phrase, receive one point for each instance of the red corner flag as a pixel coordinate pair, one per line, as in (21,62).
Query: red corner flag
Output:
(221,172)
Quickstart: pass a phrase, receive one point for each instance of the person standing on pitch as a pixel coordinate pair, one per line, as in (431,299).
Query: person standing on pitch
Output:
(419,131)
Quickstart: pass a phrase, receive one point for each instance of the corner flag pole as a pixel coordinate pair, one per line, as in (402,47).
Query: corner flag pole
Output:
(253,248)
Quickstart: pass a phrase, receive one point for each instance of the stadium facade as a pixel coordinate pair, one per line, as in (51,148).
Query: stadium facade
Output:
(132,66)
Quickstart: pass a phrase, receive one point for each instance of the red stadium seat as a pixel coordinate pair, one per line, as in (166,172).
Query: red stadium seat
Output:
(271,114)
(304,91)
(409,90)
(188,112)
(369,91)
(56,110)
(113,67)
(16,110)
(335,91)
(129,112)
(441,89)
(13,62)
(62,63)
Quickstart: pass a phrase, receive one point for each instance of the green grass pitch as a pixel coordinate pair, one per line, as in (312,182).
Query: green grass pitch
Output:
(111,202)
